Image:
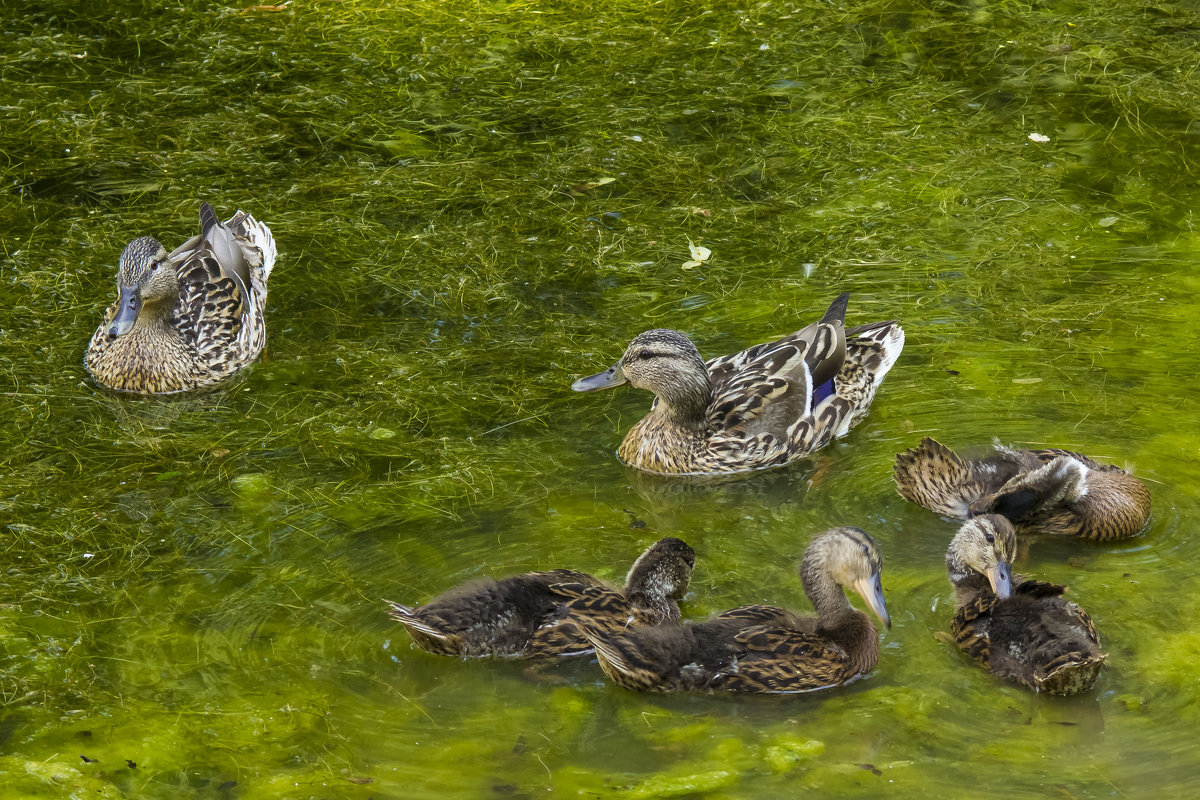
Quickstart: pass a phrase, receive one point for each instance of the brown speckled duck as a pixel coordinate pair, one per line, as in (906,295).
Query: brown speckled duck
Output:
(188,318)
(762,407)
(1039,491)
(1021,630)
(758,648)
(526,616)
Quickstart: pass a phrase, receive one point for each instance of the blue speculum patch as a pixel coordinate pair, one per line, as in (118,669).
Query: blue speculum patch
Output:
(826,389)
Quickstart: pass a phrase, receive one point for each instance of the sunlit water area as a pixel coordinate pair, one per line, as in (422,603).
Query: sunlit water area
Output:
(477,203)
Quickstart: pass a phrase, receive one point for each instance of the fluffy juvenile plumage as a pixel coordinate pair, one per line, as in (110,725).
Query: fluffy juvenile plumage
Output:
(1021,630)
(763,648)
(1039,491)
(762,407)
(526,615)
(189,318)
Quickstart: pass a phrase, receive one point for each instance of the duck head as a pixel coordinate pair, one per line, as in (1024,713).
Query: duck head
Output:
(661,361)
(985,544)
(145,274)
(850,558)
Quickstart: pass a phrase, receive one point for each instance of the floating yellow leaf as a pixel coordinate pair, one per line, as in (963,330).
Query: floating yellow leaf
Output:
(589,185)
(700,254)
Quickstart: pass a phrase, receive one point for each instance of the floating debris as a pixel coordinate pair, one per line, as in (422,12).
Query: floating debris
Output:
(699,253)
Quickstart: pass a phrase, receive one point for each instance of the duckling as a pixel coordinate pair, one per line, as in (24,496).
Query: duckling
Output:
(524,616)
(1039,491)
(1021,630)
(188,318)
(762,407)
(758,648)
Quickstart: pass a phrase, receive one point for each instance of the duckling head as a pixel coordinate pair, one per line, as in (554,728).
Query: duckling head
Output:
(660,574)
(848,557)
(145,275)
(986,545)
(661,361)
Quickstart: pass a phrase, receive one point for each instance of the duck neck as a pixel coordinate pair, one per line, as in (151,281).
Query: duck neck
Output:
(968,583)
(153,316)
(684,402)
(656,608)
(837,619)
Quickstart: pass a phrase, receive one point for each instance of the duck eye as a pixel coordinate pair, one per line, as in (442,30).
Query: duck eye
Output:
(154,265)
(989,537)
(645,354)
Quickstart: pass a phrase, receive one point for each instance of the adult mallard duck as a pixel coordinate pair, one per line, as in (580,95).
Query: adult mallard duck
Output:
(763,648)
(1039,491)
(187,318)
(525,616)
(762,407)
(1021,630)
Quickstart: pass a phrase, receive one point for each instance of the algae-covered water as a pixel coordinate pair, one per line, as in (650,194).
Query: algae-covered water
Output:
(477,203)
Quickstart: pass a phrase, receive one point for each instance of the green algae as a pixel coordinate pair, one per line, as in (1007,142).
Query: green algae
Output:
(476,203)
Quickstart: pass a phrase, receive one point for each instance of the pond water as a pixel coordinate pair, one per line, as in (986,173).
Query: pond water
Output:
(477,203)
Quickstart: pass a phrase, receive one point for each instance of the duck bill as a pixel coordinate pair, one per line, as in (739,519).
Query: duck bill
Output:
(871,590)
(613,376)
(129,303)
(1000,577)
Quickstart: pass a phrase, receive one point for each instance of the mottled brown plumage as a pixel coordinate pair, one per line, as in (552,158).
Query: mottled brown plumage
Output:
(526,616)
(188,318)
(762,407)
(1039,491)
(763,649)
(1021,630)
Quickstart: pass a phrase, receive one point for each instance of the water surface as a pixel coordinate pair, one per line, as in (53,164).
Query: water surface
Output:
(477,203)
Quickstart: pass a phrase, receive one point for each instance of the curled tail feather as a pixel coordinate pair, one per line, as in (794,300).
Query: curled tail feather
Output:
(405,616)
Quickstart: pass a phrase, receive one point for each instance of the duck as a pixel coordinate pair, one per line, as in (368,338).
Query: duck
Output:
(762,407)
(759,648)
(526,616)
(1040,491)
(1021,630)
(189,318)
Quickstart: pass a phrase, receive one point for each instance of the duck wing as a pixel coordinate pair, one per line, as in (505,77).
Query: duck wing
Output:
(758,615)
(602,609)
(223,275)
(217,244)
(971,628)
(775,659)
(211,311)
(871,351)
(766,388)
